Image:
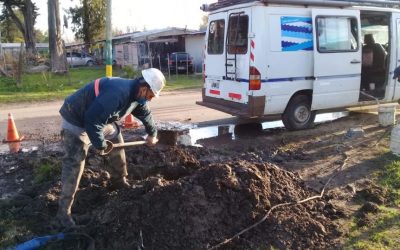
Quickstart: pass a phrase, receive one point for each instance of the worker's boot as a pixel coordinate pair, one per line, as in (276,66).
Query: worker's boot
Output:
(65,220)
(116,165)
(120,183)
(72,169)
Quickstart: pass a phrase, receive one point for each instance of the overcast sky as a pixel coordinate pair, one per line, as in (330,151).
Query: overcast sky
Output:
(152,14)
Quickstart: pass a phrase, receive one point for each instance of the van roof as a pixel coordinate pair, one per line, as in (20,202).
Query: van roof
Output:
(332,3)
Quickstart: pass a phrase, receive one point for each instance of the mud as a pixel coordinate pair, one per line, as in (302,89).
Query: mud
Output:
(186,197)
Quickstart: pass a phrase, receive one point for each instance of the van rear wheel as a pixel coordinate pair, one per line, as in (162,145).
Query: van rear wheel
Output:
(298,114)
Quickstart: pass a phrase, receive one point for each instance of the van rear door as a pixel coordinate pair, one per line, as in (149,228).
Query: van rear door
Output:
(215,47)
(337,58)
(227,56)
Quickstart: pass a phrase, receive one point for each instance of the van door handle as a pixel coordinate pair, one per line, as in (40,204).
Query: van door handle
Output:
(355,61)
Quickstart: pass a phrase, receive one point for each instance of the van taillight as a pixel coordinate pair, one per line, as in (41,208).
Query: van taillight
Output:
(255,79)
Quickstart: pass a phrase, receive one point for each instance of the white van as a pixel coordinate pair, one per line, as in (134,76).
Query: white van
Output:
(296,57)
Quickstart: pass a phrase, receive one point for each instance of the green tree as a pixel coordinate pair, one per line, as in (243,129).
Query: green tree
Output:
(24,24)
(41,37)
(89,20)
(204,23)
(9,30)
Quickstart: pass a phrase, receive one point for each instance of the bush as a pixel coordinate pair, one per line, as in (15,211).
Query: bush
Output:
(130,72)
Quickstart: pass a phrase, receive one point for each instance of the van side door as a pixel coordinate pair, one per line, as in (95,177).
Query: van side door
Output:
(337,58)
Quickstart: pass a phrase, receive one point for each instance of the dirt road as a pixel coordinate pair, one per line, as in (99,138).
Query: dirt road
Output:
(39,118)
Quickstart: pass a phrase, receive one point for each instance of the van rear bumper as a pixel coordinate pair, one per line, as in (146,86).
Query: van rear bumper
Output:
(254,108)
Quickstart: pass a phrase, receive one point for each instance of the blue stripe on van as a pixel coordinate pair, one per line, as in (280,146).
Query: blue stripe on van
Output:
(297,34)
(341,76)
(287,46)
(292,19)
(291,79)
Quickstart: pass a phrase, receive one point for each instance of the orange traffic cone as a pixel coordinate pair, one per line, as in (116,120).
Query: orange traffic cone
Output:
(13,139)
(130,122)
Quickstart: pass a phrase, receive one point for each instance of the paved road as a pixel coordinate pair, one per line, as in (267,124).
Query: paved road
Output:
(43,118)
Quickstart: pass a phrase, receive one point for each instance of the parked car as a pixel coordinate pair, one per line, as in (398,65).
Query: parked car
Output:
(181,62)
(79,59)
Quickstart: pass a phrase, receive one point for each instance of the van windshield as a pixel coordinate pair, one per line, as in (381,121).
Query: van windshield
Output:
(216,32)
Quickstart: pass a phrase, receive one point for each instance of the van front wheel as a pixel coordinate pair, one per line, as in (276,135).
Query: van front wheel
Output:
(298,114)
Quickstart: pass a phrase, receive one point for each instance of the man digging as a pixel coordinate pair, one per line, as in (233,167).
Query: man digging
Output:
(89,116)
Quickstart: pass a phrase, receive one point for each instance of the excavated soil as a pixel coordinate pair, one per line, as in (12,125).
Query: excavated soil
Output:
(186,197)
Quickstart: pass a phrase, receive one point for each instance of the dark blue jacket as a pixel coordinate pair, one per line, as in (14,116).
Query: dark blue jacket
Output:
(85,110)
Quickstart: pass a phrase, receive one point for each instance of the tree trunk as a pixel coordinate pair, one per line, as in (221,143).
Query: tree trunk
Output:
(26,28)
(21,63)
(58,62)
(30,44)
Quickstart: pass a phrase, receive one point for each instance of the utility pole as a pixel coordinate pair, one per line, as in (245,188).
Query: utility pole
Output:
(1,53)
(1,47)
(108,40)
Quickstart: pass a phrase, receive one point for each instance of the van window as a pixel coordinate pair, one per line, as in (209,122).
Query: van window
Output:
(216,32)
(238,27)
(337,34)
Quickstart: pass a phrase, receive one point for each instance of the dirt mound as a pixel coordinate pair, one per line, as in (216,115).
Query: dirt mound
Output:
(209,205)
(183,198)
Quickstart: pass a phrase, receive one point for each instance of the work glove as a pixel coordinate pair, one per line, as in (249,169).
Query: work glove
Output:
(106,150)
(151,140)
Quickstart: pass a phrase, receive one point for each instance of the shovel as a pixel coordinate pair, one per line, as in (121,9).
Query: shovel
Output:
(111,146)
(165,137)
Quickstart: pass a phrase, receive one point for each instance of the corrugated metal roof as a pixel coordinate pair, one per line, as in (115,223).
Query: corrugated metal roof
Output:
(149,35)
(155,34)
(197,33)
(18,45)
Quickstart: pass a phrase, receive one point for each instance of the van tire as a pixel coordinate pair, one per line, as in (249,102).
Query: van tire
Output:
(298,114)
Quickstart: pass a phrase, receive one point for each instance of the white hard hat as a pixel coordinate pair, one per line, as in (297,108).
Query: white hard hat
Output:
(155,79)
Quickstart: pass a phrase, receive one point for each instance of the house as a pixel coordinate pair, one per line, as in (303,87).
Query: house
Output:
(13,48)
(152,47)
(149,48)
(194,45)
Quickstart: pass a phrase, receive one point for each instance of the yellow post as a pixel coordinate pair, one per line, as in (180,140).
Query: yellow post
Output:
(109,70)
(108,41)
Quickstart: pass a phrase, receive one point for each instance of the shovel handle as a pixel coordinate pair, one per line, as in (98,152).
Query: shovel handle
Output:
(111,146)
(128,144)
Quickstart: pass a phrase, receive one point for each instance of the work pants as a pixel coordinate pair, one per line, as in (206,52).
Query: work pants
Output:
(73,164)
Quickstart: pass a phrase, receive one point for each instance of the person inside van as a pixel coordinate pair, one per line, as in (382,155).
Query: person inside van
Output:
(396,74)
(373,63)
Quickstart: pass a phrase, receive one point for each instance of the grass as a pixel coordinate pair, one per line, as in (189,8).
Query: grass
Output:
(183,82)
(46,172)
(381,234)
(384,230)
(47,86)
